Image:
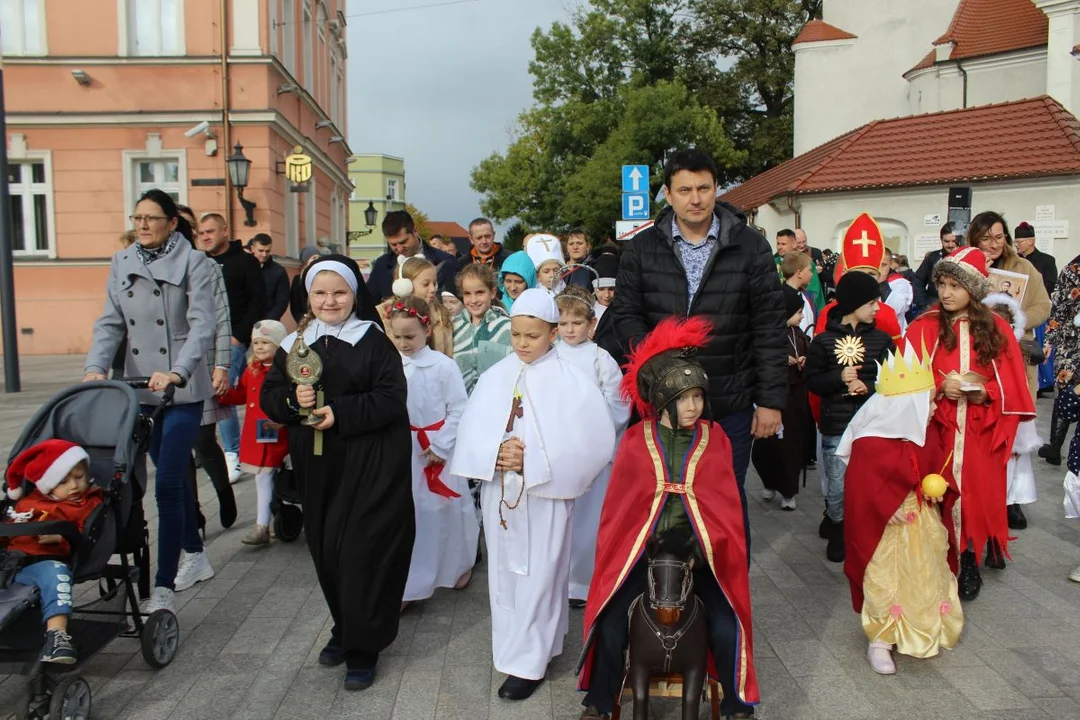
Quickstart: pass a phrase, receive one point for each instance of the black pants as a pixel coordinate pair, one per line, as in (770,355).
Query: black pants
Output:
(612,635)
(212,459)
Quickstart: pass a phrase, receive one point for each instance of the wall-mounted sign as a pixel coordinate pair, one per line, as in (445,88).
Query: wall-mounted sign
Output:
(298,166)
(932,220)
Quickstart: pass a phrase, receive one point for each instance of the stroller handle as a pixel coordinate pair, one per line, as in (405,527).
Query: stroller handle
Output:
(143,383)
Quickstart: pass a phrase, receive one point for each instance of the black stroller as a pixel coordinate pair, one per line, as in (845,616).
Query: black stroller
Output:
(103,417)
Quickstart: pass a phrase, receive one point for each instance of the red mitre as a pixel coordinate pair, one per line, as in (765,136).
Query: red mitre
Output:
(864,246)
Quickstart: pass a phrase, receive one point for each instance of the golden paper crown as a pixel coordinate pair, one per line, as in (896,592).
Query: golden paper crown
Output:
(904,374)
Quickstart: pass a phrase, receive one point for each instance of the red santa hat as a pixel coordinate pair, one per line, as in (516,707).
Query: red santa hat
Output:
(967,265)
(45,464)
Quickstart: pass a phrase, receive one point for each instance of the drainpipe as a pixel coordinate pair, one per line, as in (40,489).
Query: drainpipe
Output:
(226,135)
(794,210)
(963,72)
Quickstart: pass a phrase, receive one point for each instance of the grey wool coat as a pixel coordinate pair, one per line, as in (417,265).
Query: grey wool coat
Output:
(166,310)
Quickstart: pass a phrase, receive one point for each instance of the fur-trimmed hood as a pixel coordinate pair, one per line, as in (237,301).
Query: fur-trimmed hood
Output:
(1019,319)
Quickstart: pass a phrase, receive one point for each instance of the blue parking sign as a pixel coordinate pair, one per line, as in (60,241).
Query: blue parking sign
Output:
(635,206)
(635,178)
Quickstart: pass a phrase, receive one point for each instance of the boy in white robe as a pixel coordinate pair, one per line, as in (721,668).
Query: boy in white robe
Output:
(577,321)
(536,431)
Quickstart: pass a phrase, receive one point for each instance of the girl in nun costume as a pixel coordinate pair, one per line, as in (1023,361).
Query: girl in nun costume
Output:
(358,506)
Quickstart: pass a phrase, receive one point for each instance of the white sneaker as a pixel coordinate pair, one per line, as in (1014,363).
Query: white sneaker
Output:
(768,494)
(161,599)
(194,567)
(232,462)
(787,503)
(1075,574)
(879,655)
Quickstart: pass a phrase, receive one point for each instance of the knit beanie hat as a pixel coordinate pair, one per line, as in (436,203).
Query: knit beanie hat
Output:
(309,252)
(793,301)
(45,465)
(854,290)
(270,330)
(967,266)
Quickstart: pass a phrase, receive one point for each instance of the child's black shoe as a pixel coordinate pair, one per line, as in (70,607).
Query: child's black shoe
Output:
(58,648)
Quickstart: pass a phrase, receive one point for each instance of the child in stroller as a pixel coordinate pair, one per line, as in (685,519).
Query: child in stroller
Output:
(60,473)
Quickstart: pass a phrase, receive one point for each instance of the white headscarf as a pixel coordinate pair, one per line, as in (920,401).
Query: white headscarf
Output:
(340,269)
(902,417)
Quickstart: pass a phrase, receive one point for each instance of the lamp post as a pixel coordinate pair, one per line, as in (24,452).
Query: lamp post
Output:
(12,381)
(239,169)
(371,216)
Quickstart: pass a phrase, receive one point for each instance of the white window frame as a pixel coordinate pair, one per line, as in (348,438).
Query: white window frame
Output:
(127,29)
(322,76)
(292,221)
(132,184)
(307,41)
(273,26)
(393,192)
(22,44)
(288,37)
(332,89)
(339,92)
(28,159)
(311,217)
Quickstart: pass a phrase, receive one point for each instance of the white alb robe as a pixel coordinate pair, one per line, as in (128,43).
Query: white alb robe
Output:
(446,528)
(1020,470)
(596,362)
(568,436)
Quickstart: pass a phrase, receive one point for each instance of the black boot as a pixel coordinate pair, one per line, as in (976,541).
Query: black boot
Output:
(834,551)
(1017,519)
(995,559)
(969,581)
(825,528)
(1059,430)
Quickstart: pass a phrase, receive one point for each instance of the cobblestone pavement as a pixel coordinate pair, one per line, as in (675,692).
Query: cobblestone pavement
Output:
(251,636)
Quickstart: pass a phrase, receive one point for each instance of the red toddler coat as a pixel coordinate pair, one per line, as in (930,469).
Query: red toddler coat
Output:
(247,392)
(43,508)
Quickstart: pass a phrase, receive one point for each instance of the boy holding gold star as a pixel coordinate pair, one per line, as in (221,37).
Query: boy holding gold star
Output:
(896,543)
(841,369)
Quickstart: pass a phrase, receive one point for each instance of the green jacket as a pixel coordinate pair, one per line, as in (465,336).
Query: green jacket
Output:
(478,347)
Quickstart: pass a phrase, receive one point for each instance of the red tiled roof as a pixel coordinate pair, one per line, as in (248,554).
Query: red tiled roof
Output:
(926,62)
(819,30)
(989,27)
(1027,138)
(447,229)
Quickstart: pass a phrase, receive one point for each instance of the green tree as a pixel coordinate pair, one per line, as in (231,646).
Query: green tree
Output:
(420,219)
(514,237)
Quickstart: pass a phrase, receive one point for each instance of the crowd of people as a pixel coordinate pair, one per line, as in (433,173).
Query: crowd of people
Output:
(570,405)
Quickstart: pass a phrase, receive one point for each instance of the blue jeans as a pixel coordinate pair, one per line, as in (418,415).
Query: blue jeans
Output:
(53,581)
(737,428)
(1046,370)
(230,426)
(170,451)
(834,470)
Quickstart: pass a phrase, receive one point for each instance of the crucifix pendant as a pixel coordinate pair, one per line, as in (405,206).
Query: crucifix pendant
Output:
(503,523)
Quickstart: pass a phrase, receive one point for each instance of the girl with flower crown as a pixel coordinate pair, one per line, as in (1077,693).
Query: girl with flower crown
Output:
(446,527)
(982,396)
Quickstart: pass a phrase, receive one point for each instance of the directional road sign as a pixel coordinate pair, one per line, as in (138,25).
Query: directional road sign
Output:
(635,206)
(635,178)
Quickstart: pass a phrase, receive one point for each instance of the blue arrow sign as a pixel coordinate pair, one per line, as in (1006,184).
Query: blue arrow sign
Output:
(635,178)
(635,206)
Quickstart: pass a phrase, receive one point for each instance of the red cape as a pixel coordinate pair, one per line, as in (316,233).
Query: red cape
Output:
(885,320)
(638,490)
(980,451)
(873,490)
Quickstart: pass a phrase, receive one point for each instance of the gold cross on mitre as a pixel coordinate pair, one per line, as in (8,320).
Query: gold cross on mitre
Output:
(866,242)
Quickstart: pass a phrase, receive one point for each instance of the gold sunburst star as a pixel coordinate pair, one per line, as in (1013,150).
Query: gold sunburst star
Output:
(850,351)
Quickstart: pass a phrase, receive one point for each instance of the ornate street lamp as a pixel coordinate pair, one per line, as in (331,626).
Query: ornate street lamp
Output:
(239,169)
(371,216)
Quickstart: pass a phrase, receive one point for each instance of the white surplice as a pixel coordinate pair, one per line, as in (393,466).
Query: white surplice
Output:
(1020,470)
(596,362)
(446,528)
(568,436)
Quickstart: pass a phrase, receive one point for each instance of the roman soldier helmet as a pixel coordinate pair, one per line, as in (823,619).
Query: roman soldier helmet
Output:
(864,246)
(663,365)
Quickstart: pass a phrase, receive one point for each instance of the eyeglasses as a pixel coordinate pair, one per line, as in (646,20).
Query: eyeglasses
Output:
(321,296)
(148,219)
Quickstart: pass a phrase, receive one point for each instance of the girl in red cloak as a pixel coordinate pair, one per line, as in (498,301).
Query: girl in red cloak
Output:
(982,398)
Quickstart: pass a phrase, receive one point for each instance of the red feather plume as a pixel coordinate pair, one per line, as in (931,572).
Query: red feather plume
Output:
(673,333)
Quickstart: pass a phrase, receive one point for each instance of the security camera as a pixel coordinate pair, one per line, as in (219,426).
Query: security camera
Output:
(201,127)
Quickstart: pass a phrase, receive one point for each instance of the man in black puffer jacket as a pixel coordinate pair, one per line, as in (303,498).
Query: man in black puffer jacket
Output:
(701,258)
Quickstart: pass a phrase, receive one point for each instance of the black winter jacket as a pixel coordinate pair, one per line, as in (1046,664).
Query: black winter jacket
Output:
(746,358)
(823,370)
(246,290)
(276,279)
(381,280)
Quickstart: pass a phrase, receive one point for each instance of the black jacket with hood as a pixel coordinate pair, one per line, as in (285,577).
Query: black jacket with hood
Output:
(245,287)
(746,358)
(823,370)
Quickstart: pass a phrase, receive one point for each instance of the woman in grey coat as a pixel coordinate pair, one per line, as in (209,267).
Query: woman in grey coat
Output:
(160,297)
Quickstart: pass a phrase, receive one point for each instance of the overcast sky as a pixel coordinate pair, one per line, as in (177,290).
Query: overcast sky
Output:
(440,87)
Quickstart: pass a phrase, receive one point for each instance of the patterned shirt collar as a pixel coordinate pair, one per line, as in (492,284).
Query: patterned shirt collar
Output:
(712,236)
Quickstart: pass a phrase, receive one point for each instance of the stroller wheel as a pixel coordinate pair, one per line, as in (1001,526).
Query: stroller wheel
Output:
(70,699)
(288,523)
(160,638)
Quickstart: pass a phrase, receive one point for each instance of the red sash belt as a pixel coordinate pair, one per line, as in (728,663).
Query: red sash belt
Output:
(433,472)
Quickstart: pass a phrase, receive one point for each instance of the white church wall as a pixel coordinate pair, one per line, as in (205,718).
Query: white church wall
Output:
(935,89)
(1006,78)
(911,218)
